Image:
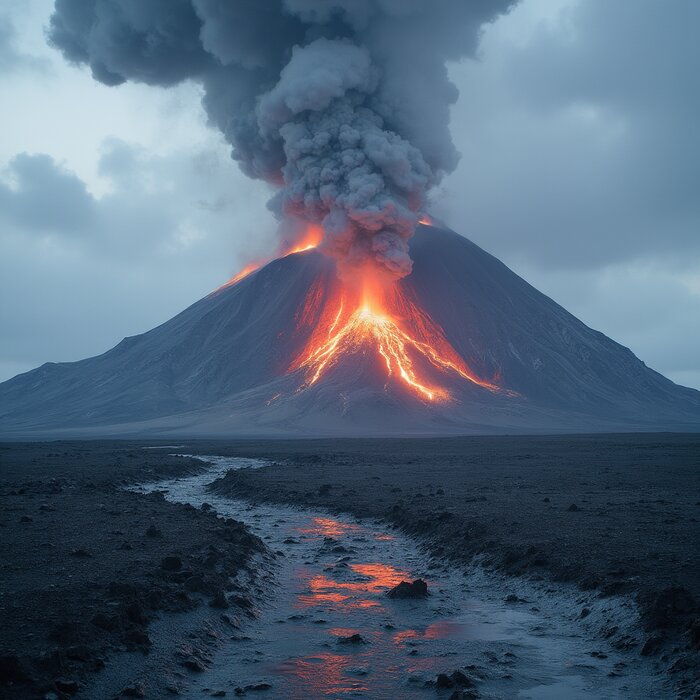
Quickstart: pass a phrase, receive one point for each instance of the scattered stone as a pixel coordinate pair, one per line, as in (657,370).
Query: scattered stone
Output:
(153,531)
(257,686)
(11,669)
(456,679)
(416,589)
(68,686)
(171,563)
(219,601)
(193,664)
(651,646)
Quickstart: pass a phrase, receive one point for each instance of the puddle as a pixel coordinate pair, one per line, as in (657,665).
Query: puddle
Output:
(330,583)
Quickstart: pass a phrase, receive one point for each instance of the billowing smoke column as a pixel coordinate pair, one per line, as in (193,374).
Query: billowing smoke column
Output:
(344,104)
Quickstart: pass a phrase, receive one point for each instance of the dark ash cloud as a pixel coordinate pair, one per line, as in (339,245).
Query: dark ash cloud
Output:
(343,104)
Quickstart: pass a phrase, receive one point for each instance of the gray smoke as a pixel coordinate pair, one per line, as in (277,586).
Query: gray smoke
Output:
(344,104)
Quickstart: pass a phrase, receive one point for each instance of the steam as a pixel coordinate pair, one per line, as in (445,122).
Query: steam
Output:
(342,104)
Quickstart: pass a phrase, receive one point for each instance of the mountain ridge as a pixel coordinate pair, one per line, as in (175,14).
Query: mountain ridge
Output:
(221,366)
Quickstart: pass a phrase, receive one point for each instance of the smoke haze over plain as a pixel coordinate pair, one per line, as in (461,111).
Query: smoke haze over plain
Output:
(579,169)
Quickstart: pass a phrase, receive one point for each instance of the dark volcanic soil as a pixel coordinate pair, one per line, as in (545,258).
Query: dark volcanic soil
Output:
(612,513)
(85,566)
(618,513)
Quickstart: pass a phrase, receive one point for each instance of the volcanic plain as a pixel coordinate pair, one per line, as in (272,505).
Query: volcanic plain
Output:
(86,567)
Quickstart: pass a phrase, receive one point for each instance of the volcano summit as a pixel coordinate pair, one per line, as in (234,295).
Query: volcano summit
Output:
(461,345)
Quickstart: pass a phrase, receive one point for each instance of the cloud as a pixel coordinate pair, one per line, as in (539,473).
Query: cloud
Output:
(12,59)
(167,230)
(579,141)
(39,196)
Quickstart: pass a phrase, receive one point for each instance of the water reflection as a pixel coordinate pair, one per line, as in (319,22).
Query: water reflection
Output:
(325,675)
(328,527)
(375,578)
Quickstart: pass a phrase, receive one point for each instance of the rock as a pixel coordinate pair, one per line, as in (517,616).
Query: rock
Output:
(65,685)
(218,694)
(26,519)
(171,563)
(11,670)
(105,622)
(324,489)
(258,686)
(193,664)
(136,690)
(219,601)
(444,681)
(669,606)
(352,639)
(205,507)
(651,646)
(416,589)
(585,612)
(694,630)
(573,508)
(80,553)
(456,679)
(153,531)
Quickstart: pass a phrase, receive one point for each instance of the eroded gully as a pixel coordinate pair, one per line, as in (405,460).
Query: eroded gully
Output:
(330,575)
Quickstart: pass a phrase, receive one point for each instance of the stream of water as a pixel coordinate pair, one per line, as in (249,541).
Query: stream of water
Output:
(330,583)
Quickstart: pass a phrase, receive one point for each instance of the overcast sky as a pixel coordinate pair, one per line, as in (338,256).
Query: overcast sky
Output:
(580,170)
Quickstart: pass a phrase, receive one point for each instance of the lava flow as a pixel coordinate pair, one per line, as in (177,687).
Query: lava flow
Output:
(356,323)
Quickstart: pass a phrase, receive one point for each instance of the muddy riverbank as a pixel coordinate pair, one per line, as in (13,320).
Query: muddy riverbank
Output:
(86,568)
(610,514)
(508,502)
(326,626)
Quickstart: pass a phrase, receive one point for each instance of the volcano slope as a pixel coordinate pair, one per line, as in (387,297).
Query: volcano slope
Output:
(229,364)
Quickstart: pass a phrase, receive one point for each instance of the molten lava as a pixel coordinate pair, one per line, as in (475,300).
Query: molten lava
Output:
(406,341)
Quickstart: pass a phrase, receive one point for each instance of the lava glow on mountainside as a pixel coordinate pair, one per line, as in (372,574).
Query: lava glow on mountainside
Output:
(312,236)
(381,319)
(371,317)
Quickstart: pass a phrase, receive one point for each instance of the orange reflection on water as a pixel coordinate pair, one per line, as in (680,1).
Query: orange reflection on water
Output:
(323,675)
(379,575)
(324,590)
(405,635)
(444,629)
(328,527)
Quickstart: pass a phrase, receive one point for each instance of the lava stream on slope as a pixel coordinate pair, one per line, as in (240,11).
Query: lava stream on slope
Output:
(408,344)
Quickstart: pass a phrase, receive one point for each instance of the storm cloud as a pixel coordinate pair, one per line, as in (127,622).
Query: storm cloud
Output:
(343,105)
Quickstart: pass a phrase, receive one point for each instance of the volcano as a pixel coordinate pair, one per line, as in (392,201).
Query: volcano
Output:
(460,346)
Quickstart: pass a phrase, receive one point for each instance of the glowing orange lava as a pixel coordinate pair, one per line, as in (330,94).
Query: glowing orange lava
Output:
(311,238)
(364,321)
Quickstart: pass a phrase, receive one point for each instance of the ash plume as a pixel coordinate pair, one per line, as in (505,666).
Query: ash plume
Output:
(342,104)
